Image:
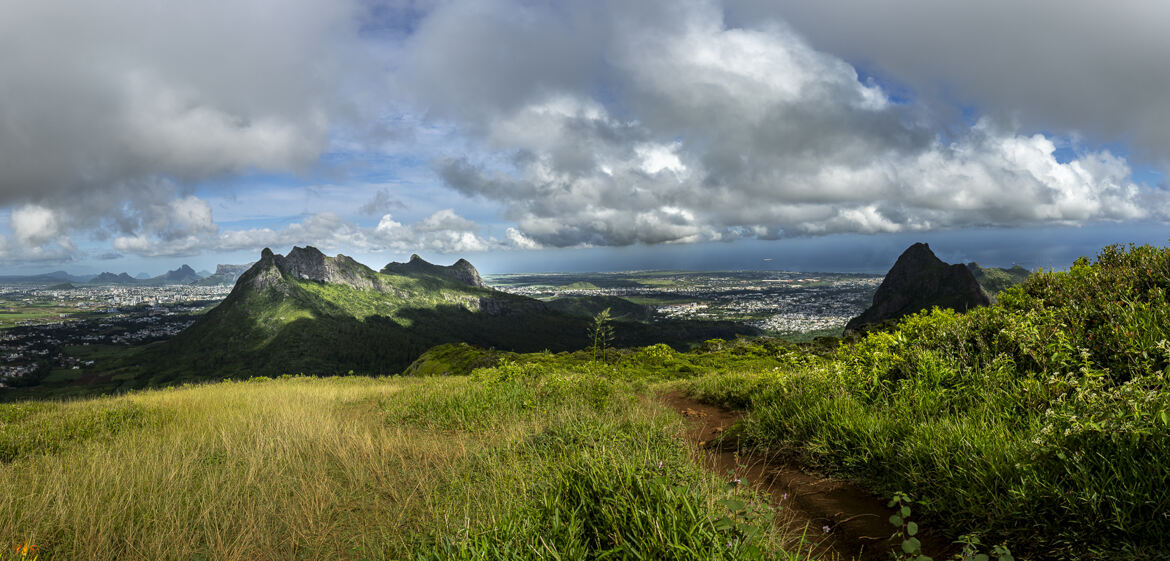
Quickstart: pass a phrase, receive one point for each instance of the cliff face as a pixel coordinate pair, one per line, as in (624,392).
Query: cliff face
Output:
(308,263)
(919,280)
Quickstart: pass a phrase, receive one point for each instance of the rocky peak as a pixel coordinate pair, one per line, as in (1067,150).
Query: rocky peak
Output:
(307,263)
(465,272)
(462,271)
(920,280)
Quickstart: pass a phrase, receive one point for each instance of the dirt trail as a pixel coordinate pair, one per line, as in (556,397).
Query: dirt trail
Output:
(857,522)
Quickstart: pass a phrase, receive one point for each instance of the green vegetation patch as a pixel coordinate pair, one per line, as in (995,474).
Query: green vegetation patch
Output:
(1043,421)
(31,428)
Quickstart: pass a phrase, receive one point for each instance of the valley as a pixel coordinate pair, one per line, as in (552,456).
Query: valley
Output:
(776,302)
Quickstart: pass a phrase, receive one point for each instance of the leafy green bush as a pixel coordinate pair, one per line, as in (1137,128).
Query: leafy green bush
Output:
(1043,420)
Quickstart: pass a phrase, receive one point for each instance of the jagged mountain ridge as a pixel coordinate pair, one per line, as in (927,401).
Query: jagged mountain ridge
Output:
(461,271)
(919,280)
(307,312)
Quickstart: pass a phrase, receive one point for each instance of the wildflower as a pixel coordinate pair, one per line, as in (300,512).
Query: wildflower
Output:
(826,528)
(26,550)
(784,497)
(659,465)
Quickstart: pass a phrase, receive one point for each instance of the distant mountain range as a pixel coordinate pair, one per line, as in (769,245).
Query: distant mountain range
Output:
(309,313)
(224,275)
(55,277)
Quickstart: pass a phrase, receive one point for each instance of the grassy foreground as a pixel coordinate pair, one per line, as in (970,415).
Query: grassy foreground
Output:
(508,464)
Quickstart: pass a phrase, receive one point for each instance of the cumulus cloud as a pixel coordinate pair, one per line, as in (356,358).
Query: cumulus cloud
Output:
(108,106)
(723,133)
(1048,64)
(442,232)
(584,123)
(34,225)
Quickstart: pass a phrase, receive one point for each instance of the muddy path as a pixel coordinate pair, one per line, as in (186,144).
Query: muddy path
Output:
(840,519)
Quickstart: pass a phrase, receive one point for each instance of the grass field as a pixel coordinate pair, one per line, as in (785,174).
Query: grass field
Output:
(13,316)
(498,466)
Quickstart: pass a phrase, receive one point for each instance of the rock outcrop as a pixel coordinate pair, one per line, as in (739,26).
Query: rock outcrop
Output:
(919,280)
(307,263)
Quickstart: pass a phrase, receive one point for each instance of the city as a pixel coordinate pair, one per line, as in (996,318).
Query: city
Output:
(55,331)
(777,302)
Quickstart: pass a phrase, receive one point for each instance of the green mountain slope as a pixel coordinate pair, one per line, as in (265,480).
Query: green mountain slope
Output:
(308,313)
(589,306)
(995,279)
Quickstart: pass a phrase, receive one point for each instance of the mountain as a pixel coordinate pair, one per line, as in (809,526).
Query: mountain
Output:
(995,279)
(309,313)
(224,275)
(461,271)
(182,275)
(111,278)
(54,277)
(919,280)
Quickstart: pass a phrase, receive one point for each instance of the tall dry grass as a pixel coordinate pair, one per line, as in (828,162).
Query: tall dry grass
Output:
(360,468)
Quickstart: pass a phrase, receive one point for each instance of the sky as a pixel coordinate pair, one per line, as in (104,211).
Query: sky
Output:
(590,135)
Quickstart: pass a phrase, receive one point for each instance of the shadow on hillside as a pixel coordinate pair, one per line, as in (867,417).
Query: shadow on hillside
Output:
(229,347)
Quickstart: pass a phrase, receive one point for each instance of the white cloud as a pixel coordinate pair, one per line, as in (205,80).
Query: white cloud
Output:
(104,100)
(724,132)
(34,225)
(1068,67)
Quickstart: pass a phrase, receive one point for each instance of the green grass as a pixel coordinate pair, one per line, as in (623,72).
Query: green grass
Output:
(515,462)
(11,317)
(1043,421)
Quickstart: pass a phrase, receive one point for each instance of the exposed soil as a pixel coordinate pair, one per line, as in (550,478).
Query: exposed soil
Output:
(839,518)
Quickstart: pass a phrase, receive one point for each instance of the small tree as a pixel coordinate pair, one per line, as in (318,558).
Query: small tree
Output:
(600,333)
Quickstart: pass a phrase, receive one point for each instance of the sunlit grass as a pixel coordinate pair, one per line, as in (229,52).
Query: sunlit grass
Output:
(352,468)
